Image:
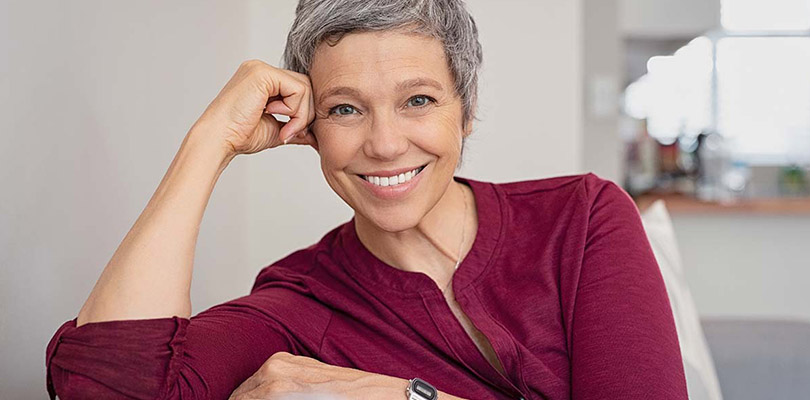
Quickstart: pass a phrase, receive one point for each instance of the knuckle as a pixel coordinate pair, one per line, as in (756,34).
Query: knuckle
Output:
(273,364)
(252,63)
(255,66)
(280,355)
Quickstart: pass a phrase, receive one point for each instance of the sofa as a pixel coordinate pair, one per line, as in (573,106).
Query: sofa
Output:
(728,358)
(760,358)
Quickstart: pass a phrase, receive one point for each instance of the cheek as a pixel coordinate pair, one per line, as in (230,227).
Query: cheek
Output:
(438,134)
(337,146)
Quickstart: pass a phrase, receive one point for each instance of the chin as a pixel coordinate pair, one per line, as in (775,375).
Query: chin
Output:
(397,220)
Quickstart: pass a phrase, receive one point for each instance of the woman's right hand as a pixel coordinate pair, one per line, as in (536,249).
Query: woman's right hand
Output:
(240,116)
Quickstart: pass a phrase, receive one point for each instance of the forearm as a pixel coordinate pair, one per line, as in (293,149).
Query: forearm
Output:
(149,275)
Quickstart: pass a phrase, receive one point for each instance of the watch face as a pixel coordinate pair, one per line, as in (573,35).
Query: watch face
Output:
(423,389)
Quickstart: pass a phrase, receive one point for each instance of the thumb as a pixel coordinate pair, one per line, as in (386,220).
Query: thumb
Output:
(306,137)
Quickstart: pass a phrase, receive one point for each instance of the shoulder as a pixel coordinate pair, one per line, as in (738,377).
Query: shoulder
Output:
(288,288)
(296,267)
(586,191)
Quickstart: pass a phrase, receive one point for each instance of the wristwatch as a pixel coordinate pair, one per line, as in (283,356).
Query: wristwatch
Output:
(421,390)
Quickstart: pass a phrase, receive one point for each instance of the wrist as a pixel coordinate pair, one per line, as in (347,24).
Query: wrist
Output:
(419,389)
(202,139)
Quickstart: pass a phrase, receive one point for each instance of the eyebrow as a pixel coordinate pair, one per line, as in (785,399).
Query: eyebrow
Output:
(417,82)
(406,84)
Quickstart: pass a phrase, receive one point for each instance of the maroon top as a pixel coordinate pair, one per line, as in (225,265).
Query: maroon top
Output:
(560,278)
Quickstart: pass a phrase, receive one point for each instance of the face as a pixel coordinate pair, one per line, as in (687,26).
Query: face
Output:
(385,106)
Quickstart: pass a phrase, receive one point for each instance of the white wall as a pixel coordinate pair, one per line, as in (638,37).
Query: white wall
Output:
(668,18)
(602,75)
(530,90)
(97,97)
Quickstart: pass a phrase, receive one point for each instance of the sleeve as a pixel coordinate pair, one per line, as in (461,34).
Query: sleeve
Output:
(623,342)
(204,357)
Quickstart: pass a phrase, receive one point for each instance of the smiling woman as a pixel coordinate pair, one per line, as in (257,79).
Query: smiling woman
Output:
(553,292)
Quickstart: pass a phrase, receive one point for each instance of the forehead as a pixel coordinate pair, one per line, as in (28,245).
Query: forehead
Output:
(369,60)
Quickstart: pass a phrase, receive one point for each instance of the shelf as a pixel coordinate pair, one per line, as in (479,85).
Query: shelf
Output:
(682,204)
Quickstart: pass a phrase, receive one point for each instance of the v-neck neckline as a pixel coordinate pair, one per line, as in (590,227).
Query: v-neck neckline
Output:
(379,277)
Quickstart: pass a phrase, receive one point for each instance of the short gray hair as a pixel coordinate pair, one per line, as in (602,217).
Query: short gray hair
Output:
(447,20)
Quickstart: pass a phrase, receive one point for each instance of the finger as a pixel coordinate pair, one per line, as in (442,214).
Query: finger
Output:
(309,104)
(305,137)
(294,127)
(304,79)
(275,105)
(311,116)
(267,132)
(310,97)
(293,93)
(295,134)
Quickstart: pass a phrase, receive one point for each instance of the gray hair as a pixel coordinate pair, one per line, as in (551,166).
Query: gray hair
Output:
(447,20)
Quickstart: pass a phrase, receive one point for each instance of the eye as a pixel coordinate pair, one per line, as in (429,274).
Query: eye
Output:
(343,109)
(419,100)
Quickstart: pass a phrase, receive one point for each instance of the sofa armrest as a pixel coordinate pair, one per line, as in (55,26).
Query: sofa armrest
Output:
(760,358)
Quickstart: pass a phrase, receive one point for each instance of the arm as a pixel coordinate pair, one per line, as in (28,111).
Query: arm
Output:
(624,343)
(133,337)
(204,357)
(149,275)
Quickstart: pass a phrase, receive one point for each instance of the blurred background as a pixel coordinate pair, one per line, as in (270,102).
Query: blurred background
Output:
(702,103)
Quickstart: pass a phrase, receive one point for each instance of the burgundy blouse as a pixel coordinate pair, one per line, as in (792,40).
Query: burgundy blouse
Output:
(560,278)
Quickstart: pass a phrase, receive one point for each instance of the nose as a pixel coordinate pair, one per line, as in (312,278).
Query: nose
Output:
(386,140)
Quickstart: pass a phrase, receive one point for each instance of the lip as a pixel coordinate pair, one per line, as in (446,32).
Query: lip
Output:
(394,192)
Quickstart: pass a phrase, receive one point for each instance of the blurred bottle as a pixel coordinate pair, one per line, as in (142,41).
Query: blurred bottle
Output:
(735,180)
(641,161)
(712,165)
(721,178)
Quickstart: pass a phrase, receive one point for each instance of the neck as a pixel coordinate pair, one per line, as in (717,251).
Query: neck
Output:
(432,246)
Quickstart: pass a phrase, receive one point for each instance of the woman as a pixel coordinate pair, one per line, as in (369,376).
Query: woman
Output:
(536,289)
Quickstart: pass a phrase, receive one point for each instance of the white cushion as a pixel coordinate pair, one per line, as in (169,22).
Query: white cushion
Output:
(701,376)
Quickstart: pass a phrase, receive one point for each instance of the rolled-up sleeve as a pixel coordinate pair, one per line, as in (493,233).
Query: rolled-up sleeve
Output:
(206,356)
(624,344)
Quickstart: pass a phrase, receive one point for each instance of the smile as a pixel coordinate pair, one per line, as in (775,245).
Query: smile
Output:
(393,180)
(394,187)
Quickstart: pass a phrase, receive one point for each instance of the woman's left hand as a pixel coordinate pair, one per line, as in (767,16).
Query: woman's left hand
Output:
(284,373)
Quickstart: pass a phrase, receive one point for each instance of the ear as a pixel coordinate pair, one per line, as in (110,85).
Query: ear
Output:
(312,139)
(468,126)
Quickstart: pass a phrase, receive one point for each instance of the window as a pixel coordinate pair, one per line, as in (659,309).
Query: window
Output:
(750,82)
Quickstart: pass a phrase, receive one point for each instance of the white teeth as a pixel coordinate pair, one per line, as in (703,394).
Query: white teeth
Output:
(393,180)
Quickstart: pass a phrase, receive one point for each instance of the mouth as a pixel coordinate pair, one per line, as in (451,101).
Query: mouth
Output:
(394,180)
